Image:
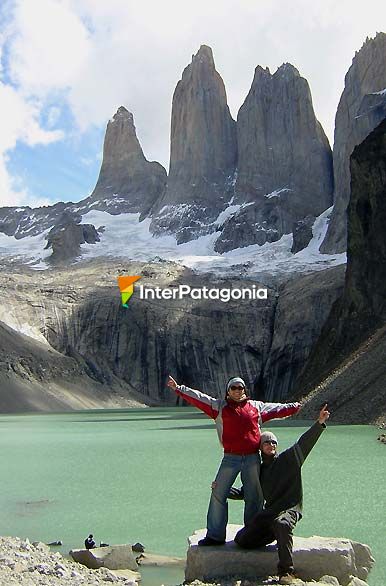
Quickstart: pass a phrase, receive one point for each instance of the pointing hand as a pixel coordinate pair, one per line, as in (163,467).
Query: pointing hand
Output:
(171,383)
(324,414)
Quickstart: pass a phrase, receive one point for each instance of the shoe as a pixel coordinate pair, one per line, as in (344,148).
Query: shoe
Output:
(236,494)
(209,541)
(287,579)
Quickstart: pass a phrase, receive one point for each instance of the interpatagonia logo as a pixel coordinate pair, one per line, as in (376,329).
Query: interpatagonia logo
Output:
(224,294)
(126,287)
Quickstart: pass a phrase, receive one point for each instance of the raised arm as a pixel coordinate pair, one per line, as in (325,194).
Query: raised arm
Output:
(276,410)
(205,403)
(309,438)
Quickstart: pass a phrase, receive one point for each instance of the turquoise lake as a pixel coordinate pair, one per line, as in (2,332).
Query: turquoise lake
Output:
(144,475)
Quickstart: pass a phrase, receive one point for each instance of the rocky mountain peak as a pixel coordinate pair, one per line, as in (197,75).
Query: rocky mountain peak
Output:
(353,123)
(204,55)
(121,137)
(286,70)
(126,176)
(284,160)
(203,152)
(260,74)
(122,112)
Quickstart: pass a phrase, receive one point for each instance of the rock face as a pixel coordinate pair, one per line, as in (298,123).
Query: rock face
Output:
(66,237)
(78,330)
(302,234)
(203,152)
(34,377)
(314,557)
(284,161)
(200,341)
(361,109)
(125,173)
(303,307)
(355,386)
(358,318)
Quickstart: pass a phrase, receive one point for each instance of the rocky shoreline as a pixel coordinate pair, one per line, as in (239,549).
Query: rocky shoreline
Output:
(34,564)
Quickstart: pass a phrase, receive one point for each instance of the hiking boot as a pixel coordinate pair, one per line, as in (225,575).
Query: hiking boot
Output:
(287,579)
(209,541)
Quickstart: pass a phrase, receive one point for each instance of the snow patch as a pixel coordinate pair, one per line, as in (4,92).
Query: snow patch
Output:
(277,192)
(227,213)
(125,237)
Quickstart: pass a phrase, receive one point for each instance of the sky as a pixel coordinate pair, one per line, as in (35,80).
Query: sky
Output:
(67,65)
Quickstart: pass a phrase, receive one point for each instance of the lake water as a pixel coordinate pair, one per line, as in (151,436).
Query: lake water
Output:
(144,475)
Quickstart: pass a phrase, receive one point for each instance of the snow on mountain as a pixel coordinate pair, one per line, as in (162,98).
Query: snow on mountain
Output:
(123,236)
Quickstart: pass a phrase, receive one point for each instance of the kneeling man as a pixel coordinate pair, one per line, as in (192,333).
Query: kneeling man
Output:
(281,482)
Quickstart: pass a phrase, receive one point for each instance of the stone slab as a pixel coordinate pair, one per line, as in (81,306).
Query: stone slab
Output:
(114,557)
(314,557)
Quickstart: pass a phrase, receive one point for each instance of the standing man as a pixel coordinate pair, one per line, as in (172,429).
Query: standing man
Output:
(281,483)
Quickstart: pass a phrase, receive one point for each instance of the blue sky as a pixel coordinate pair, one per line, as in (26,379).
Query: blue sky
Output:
(67,65)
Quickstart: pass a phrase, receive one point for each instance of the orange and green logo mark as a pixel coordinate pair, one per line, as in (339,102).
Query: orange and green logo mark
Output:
(126,287)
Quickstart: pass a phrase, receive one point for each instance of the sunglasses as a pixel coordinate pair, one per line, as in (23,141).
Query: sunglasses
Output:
(271,442)
(232,388)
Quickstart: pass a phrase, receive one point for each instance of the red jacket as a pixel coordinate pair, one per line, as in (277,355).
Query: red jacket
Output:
(238,423)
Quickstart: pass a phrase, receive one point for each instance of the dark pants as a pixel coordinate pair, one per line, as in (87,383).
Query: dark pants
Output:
(266,528)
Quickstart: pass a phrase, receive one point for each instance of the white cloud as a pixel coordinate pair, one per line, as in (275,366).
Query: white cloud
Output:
(97,54)
(19,121)
(13,191)
(49,46)
(124,52)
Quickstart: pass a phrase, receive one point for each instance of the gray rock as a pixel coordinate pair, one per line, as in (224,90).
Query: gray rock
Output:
(126,178)
(313,558)
(304,305)
(329,580)
(284,160)
(349,355)
(382,438)
(302,233)
(359,112)
(66,237)
(203,153)
(82,351)
(114,557)
(357,582)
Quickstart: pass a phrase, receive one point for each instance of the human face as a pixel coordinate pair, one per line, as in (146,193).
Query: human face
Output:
(269,448)
(237,392)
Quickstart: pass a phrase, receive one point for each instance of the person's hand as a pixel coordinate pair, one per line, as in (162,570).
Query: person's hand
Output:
(171,383)
(324,414)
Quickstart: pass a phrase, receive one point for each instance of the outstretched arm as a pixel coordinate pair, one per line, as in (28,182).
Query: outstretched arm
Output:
(207,404)
(277,410)
(307,441)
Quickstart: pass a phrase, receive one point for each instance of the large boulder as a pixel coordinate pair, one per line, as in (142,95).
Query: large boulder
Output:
(314,557)
(113,557)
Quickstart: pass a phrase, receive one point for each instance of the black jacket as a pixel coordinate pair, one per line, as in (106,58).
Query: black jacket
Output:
(280,476)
